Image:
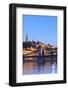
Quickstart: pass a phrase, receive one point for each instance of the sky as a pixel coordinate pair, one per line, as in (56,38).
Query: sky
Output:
(42,28)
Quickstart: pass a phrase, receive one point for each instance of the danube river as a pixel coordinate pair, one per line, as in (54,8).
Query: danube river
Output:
(39,65)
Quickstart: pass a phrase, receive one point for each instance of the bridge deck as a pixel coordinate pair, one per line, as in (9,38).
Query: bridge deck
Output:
(48,58)
(40,56)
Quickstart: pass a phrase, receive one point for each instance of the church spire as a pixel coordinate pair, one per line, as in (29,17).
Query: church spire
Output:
(26,38)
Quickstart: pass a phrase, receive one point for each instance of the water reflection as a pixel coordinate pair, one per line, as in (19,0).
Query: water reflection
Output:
(39,66)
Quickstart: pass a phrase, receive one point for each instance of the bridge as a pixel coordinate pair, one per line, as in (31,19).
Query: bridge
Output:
(34,56)
(49,58)
(36,53)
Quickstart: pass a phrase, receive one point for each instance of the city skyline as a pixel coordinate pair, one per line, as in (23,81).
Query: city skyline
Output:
(42,28)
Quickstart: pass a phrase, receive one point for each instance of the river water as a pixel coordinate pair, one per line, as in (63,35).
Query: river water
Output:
(43,66)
